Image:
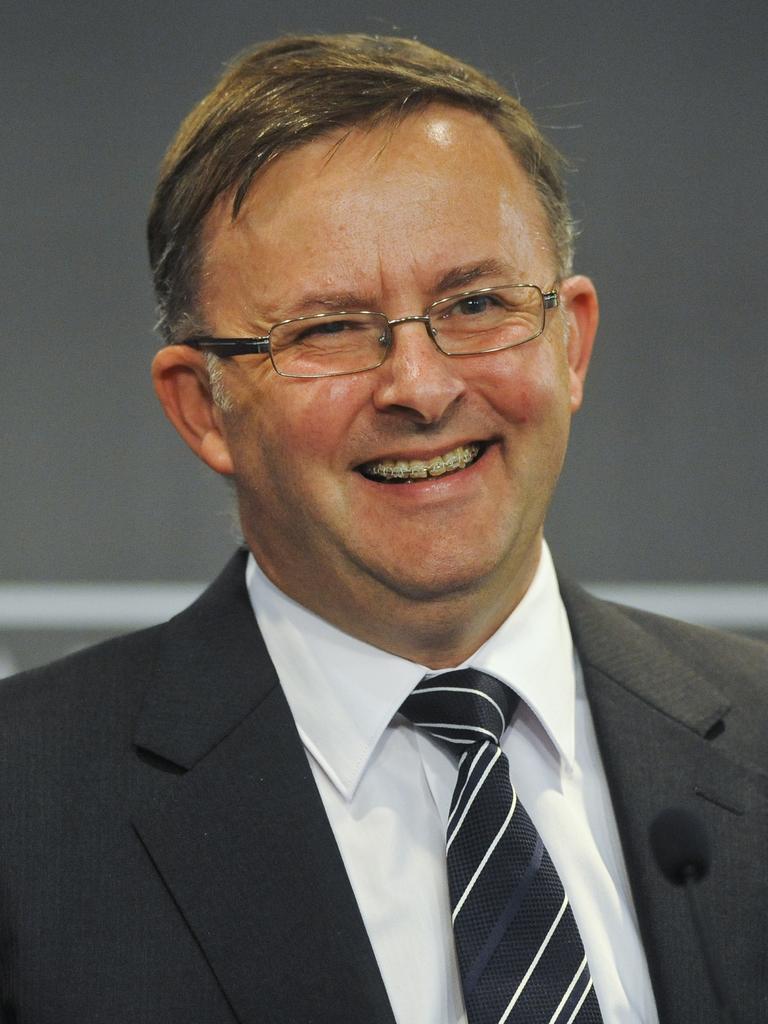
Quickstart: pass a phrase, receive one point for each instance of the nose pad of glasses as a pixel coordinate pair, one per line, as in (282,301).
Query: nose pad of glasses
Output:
(385,337)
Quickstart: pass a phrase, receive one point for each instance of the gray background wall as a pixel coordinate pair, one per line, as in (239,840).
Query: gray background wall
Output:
(662,110)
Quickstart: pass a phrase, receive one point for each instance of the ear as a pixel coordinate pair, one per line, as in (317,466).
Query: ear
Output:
(181,383)
(581,308)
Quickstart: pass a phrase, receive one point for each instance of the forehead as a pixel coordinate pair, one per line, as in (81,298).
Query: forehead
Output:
(373,209)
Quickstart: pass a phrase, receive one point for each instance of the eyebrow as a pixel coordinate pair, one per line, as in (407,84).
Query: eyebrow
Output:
(334,302)
(466,274)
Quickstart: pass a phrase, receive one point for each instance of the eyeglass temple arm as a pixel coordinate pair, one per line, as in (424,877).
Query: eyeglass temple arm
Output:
(551,300)
(228,346)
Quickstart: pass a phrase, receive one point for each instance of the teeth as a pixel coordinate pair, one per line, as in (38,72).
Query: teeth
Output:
(418,469)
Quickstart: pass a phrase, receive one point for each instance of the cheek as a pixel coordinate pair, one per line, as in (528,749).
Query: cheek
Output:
(292,425)
(530,386)
(316,415)
(547,397)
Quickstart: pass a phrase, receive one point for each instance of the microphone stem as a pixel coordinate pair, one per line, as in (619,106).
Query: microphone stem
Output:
(697,914)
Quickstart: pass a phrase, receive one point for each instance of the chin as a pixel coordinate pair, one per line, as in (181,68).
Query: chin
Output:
(422,581)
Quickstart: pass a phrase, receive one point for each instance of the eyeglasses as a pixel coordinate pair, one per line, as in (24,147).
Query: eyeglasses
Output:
(334,344)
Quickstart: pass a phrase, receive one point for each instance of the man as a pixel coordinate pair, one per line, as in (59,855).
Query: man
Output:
(361,249)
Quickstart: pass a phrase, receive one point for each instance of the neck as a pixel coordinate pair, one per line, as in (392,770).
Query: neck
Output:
(437,631)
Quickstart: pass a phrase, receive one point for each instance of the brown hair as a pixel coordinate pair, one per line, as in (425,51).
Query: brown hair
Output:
(281,94)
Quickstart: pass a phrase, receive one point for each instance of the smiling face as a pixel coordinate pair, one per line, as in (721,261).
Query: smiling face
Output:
(343,497)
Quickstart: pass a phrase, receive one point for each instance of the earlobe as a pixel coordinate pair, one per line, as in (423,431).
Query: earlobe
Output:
(214,452)
(581,307)
(181,383)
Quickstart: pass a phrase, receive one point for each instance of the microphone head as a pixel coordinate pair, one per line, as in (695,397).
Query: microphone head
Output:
(680,845)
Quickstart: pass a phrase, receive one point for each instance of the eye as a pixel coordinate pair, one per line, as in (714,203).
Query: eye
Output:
(472,305)
(318,328)
(331,334)
(478,305)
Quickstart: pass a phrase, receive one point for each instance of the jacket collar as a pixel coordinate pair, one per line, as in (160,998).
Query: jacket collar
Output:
(628,647)
(211,670)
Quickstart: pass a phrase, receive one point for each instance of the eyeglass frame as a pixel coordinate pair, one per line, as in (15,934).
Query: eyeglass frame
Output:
(262,346)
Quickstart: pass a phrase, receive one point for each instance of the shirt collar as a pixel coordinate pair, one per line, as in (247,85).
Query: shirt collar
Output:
(343,693)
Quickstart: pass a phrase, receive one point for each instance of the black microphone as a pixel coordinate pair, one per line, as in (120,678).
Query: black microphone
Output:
(681,847)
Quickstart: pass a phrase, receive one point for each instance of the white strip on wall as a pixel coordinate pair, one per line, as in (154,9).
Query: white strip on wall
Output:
(92,606)
(124,606)
(725,605)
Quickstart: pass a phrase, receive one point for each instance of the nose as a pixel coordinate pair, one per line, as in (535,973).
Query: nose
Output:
(417,379)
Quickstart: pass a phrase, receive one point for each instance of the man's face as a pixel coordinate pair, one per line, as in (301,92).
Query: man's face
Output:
(392,220)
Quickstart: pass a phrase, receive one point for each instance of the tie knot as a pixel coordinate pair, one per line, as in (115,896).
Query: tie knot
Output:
(461,708)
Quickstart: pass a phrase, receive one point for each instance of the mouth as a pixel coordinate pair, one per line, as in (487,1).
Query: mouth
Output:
(399,471)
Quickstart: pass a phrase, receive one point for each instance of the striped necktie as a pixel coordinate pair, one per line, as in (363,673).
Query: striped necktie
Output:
(520,955)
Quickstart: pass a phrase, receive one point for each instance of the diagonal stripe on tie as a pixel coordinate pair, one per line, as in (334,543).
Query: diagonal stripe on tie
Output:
(506,917)
(520,955)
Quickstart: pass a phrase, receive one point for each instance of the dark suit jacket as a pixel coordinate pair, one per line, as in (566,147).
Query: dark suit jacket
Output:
(165,856)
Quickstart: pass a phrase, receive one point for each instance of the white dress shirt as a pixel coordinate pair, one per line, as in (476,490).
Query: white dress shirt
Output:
(386,789)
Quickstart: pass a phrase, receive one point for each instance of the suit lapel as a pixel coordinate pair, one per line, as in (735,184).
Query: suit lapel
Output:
(669,737)
(241,839)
